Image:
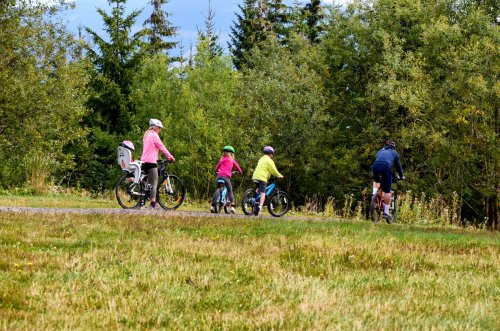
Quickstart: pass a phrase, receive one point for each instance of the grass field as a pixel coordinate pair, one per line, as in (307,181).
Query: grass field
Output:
(170,271)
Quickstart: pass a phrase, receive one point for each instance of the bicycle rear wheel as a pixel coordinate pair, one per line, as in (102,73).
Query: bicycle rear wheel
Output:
(128,194)
(248,200)
(171,192)
(279,203)
(375,208)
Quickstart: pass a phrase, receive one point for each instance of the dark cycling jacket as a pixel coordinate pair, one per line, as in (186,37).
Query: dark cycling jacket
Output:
(389,156)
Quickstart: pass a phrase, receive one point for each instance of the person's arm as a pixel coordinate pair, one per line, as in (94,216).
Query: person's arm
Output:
(217,167)
(162,148)
(398,165)
(237,166)
(273,170)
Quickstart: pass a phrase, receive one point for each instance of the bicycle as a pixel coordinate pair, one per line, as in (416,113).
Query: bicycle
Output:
(221,197)
(278,202)
(377,204)
(131,193)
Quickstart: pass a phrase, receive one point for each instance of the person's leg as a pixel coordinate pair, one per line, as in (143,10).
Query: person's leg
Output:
(229,187)
(262,191)
(230,195)
(386,189)
(153,180)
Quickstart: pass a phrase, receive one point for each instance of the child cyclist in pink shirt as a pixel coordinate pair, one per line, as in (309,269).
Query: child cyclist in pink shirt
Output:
(152,145)
(224,170)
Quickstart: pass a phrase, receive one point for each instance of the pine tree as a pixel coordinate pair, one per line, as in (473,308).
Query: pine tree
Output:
(279,18)
(115,62)
(159,29)
(313,14)
(249,30)
(209,37)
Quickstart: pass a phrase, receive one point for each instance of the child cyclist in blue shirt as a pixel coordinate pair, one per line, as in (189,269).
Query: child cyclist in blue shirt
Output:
(265,168)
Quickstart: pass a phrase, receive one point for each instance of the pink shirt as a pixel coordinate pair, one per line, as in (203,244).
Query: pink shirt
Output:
(225,166)
(153,144)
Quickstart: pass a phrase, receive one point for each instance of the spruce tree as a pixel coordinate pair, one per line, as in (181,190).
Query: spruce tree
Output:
(115,61)
(159,28)
(249,29)
(208,36)
(313,15)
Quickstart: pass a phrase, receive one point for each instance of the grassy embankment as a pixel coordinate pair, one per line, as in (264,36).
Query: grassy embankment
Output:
(178,272)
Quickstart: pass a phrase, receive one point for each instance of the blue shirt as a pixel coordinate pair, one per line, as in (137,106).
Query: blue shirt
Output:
(389,156)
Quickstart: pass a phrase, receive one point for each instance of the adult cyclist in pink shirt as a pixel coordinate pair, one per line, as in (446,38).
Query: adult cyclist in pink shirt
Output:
(224,170)
(152,145)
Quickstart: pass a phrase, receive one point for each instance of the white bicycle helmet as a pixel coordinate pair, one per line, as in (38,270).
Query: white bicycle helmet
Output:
(155,122)
(128,144)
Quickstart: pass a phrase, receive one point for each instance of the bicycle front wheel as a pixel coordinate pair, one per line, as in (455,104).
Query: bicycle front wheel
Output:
(171,192)
(375,208)
(279,203)
(248,201)
(128,194)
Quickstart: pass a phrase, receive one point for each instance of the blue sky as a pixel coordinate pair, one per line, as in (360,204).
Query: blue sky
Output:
(187,15)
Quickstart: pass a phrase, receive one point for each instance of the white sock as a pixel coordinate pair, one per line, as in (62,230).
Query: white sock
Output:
(386,208)
(375,190)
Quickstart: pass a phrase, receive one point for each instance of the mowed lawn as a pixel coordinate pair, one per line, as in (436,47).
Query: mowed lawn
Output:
(170,271)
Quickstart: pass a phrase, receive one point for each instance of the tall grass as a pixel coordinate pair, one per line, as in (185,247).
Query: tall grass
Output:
(169,271)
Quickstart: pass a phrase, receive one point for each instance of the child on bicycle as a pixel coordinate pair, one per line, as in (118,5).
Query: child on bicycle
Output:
(224,170)
(265,168)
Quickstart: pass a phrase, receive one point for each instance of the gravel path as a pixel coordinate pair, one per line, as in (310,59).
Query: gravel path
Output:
(160,212)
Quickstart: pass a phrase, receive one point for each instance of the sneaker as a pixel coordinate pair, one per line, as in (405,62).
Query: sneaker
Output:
(388,218)
(232,210)
(212,209)
(256,210)
(154,205)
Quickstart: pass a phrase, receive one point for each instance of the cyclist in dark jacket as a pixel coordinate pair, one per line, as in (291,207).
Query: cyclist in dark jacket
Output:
(382,173)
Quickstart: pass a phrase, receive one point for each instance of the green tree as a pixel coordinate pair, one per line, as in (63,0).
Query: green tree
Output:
(285,106)
(199,109)
(159,28)
(115,59)
(249,30)
(209,36)
(41,99)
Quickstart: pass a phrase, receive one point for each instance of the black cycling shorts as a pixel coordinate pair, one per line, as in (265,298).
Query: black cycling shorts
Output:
(382,173)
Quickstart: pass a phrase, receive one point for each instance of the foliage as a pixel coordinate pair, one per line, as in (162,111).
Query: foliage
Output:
(159,29)
(198,109)
(41,99)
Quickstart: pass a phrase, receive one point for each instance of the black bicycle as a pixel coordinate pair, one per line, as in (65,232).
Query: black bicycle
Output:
(377,203)
(132,193)
(277,201)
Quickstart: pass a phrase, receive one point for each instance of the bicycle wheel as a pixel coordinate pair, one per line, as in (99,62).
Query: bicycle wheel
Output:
(375,208)
(128,194)
(279,203)
(393,208)
(171,192)
(248,200)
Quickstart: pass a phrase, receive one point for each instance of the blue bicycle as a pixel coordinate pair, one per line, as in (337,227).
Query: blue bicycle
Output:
(219,199)
(278,202)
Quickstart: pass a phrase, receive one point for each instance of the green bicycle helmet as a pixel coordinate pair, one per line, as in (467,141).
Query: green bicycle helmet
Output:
(228,148)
